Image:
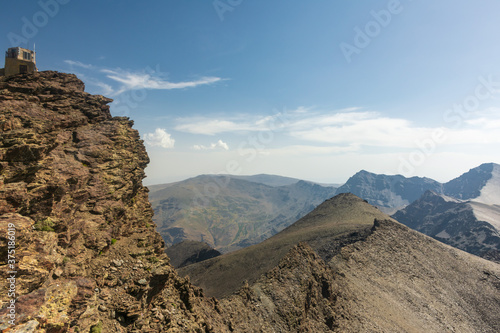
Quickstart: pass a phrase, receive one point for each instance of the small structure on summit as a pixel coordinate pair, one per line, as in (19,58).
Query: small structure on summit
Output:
(19,60)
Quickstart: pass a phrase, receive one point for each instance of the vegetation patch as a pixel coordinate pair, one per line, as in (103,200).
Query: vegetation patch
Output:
(45,225)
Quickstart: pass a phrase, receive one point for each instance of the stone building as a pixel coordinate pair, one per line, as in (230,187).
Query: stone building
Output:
(19,60)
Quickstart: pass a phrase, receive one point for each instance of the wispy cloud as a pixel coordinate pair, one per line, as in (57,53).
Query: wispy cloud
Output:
(348,128)
(219,144)
(74,63)
(159,138)
(137,80)
(121,80)
(215,126)
(234,123)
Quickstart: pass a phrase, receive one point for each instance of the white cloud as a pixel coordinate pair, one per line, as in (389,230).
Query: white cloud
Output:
(364,128)
(123,80)
(218,144)
(305,150)
(159,138)
(131,81)
(349,128)
(78,64)
(487,119)
(212,127)
(241,123)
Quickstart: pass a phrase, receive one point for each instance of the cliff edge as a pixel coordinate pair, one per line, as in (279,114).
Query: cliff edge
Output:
(75,218)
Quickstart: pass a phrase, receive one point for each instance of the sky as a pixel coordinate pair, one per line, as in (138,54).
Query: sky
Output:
(316,90)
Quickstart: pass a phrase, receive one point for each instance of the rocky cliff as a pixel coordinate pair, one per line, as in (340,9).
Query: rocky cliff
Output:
(85,256)
(86,250)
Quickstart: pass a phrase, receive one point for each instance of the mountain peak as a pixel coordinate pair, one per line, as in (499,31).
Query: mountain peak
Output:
(342,219)
(388,192)
(481,183)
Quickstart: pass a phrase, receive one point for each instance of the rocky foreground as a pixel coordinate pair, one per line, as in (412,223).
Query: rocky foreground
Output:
(87,257)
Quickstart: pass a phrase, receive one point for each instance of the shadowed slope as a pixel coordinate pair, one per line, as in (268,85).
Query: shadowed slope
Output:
(189,252)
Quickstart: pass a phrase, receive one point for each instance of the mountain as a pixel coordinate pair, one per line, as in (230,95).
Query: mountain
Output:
(229,212)
(388,193)
(327,227)
(355,270)
(482,184)
(87,258)
(470,226)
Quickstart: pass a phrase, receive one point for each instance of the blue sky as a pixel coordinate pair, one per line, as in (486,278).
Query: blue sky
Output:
(316,90)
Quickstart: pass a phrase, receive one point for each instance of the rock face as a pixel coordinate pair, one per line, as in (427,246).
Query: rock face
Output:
(86,250)
(388,193)
(229,213)
(88,258)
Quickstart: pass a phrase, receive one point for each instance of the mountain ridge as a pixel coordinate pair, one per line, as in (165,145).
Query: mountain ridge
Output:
(222,275)
(393,192)
(372,283)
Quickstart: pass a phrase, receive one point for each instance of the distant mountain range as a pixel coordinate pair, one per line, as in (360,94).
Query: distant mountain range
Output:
(232,212)
(463,212)
(391,193)
(228,212)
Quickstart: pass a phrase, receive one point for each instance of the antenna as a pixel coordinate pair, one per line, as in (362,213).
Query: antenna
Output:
(34,57)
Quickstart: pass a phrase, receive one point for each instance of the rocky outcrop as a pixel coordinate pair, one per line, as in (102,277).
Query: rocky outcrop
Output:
(86,250)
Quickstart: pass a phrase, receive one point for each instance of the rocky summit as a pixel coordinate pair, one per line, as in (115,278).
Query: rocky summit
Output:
(79,251)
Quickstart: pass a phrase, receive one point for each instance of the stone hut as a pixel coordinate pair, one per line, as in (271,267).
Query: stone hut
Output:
(18,61)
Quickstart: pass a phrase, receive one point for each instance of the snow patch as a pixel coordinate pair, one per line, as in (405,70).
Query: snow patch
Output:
(490,193)
(450,199)
(487,213)
(443,234)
